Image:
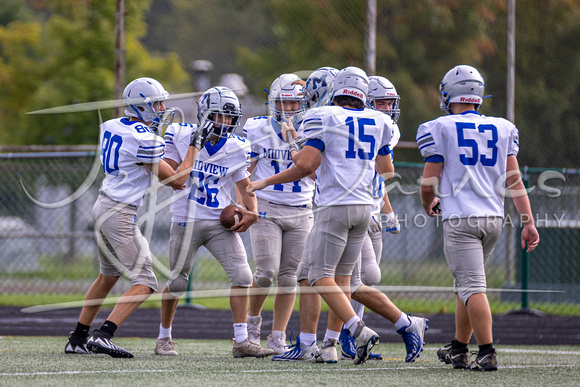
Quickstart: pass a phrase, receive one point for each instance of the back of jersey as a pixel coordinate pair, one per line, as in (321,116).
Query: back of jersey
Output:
(350,140)
(474,149)
(125,146)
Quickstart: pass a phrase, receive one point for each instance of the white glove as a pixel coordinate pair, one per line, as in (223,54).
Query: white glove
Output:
(392,223)
(375,224)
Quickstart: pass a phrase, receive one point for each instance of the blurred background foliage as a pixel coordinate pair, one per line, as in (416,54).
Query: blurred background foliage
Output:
(59,52)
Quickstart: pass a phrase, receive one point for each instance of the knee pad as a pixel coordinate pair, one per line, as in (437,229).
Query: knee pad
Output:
(264,281)
(177,286)
(287,284)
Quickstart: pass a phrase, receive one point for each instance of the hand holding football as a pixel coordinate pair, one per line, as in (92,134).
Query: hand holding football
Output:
(229,216)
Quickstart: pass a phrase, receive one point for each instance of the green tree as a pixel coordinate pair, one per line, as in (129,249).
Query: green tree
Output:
(69,58)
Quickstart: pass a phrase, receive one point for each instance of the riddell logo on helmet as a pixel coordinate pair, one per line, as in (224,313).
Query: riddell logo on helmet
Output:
(354,93)
(470,100)
(287,95)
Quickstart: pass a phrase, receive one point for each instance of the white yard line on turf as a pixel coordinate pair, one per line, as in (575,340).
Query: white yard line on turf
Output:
(337,369)
(78,372)
(518,350)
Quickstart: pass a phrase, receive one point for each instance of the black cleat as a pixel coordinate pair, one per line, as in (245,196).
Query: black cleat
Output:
(76,345)
(98,343)
(486,361)
(456,357)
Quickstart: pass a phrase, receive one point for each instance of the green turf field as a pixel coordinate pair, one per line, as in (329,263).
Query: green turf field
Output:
(41,361)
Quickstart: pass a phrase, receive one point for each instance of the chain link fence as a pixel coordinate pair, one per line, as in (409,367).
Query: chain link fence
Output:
(47,246)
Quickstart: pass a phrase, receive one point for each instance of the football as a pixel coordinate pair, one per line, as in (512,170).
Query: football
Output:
(229,216)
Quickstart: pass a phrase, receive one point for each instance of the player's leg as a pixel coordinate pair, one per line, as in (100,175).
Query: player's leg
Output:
(266,240)
(297,224)
(340,231)
(184,241)
(327,353)
(227,247)
(130,253)
(466,256)
(305,347)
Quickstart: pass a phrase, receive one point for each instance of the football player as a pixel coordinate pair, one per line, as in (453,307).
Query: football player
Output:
(130,153)
(220,164)
(465,144)
(384,98)
(412,329)
(315,94)
(285,211)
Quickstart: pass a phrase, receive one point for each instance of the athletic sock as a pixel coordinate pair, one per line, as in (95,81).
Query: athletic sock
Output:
(485,348)
(353,324)
(240,332)
(307,338)
(164,332)
(108,329)
(331,335)
(458,345)
(403,321)
(81,330)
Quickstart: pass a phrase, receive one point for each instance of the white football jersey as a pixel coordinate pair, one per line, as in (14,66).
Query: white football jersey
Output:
(474,150)
(215,170)
(273,156)
(349,140)
(378,184)
(125,146)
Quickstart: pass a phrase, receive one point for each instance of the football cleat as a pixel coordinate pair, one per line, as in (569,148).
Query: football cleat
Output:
(413,336)
(248,348)
(298,352)
(254,327)
(327,352)
(364,342)
(486,361)
(456,357)
(76,345)
(98,343)
(347,348)
(277,345)
(165,347)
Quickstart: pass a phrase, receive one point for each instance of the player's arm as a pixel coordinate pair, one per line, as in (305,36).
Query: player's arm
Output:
(171,177)
(384,166)
(287,176)
(522,202)
(429,183)
(250,213)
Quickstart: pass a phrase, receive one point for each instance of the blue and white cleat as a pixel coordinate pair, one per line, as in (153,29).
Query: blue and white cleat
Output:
(414,337)
(298,352)
(348,350)
(364,342)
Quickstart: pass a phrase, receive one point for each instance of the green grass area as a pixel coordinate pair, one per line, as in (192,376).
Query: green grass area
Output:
(412,305)
(41,361)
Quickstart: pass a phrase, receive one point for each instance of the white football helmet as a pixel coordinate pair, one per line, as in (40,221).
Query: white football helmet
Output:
(282,89)
(139,97)
(352,82)
(381,88)
(462,84)
(221,101)
(316,90)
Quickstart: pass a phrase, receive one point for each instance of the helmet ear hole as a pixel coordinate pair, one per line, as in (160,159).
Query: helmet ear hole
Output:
(462,84)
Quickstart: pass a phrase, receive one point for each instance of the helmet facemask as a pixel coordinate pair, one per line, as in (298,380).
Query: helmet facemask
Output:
(214,105)
(286,87)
